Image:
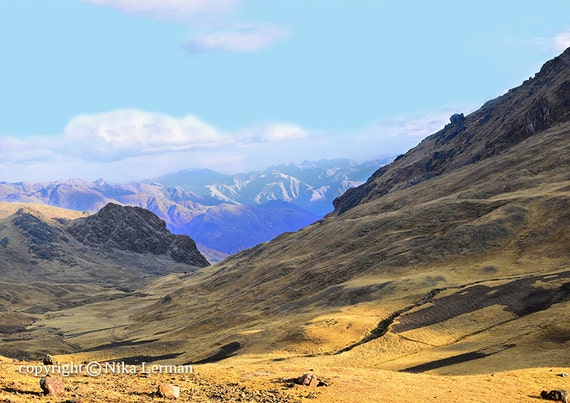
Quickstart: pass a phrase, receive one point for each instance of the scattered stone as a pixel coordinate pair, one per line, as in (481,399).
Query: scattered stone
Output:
(48,360)
(309,380)
(168,391)
(52,385)
(555,395)
(563,374)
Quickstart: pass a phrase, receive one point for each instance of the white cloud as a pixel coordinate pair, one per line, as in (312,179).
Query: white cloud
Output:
(557,43)
(29,150)
(242,39)
(170,10)
(413,127)
(284,131)
(130,144)
(562,41)
(223,35)
(128,132)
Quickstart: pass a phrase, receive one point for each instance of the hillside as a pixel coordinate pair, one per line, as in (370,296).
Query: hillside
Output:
(449,264)
(53,259)
(540,103)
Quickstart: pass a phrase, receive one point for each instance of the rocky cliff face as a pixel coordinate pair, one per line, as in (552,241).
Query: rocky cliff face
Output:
(137,230)
(536,105)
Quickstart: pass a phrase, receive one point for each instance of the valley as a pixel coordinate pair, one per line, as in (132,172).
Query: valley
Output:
(444,277)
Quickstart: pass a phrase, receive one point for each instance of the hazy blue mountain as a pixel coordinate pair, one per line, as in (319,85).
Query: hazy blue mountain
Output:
(310,185)
(232,228)
(222,213)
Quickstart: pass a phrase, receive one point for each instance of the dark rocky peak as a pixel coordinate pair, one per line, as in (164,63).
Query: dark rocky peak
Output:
(538,104)
(42,238)
(34,225)
(555,66)
(136,230)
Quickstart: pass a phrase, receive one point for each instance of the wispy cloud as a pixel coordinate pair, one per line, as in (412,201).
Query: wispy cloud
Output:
(556,43)
(189,11)
(562,41)
(212,24)
(271,132)
(243,38)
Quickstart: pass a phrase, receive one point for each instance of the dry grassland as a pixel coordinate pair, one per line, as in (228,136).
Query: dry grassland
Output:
(258,379)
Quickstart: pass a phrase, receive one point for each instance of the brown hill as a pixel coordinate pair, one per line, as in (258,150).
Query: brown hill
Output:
(51,259)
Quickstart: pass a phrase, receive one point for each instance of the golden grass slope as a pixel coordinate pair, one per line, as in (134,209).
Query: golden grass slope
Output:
(8,208)
(446,280)
(251,379)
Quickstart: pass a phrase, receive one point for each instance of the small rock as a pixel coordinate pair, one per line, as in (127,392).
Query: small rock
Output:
(48,360)
(307,380)
(563,374)
(555,395)
(168,391)
(52,385)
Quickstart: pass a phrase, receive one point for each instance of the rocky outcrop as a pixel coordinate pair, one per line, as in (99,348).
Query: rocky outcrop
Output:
(42,238)
(555,395)
(136,230)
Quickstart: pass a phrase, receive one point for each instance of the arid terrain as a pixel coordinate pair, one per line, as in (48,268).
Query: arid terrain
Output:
(260,379)
(445,277)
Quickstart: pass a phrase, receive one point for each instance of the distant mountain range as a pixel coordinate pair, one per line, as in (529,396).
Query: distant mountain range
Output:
(223,213)
(311,185)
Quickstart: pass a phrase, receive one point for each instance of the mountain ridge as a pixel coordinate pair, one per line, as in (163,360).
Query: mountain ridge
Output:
(466,140)
(137,230)
(54,259)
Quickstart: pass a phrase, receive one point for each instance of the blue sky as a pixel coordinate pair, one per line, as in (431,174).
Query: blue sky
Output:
(127,90)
